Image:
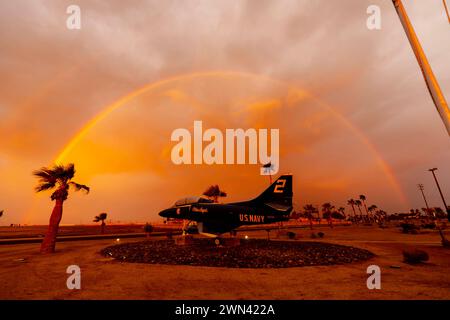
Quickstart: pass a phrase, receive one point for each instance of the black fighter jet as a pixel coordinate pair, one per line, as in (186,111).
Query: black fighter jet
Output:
(273,205)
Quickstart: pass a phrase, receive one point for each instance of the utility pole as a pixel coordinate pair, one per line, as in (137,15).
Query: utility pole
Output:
(423,195)
(430,79)
(447,209)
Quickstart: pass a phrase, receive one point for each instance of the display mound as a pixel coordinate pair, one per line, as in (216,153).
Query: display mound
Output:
(252,253)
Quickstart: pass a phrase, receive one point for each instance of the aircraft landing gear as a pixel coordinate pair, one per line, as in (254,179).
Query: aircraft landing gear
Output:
(185,239)
(183,228)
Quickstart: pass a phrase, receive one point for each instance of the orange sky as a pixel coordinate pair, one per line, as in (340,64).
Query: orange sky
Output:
(351,105)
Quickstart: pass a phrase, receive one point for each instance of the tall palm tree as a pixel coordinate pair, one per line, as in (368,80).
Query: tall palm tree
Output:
(358,203)
(214,192)
(57,178)
(363,199)
(101,217)
(351,202)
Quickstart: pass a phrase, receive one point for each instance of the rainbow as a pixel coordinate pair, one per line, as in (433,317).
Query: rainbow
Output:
(60,158)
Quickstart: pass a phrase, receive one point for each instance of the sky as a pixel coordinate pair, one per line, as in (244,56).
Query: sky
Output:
(351,104)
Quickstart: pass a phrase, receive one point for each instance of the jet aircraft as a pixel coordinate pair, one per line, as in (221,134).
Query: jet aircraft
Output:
(273,205)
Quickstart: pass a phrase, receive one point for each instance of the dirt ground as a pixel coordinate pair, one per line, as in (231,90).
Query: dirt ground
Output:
(75,230)
(25,274)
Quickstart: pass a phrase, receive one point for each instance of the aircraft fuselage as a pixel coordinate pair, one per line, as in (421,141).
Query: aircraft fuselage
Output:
(224,217)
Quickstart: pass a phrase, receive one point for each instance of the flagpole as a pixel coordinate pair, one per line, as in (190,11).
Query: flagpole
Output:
(446,10)
(430,79)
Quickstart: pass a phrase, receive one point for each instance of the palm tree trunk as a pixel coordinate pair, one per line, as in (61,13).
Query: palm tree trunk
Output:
(365,207)
(359,208)
(48,245)
(103,227)
(354,212)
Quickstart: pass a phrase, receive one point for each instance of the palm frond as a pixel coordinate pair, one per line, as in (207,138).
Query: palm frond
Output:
(79,187)
(45,186)
(100,217)
(70,171)
(45,174)
(214,191)
(64,173)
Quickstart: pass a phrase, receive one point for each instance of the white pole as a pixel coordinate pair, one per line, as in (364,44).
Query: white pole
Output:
(430,79)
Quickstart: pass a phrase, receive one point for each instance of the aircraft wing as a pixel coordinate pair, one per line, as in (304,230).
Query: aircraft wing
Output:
(278,206)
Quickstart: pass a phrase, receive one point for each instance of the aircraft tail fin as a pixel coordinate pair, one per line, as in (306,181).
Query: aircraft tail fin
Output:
(279,195)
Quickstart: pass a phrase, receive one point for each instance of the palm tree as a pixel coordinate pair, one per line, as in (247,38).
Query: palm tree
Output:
(58,178)
(341,210)
(268,168)
(326,210)
(351,202)
(373,211)
(372,208)
(358,203)
(101,217)
(214,192)
(309,210)
(363,199)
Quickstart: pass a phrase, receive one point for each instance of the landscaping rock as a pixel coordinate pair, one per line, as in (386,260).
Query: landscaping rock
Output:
(251,253)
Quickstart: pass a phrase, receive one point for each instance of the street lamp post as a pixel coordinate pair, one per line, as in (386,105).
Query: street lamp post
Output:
(447,209)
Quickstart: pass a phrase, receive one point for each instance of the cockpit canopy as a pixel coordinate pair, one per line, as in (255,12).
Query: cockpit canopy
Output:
(192,200)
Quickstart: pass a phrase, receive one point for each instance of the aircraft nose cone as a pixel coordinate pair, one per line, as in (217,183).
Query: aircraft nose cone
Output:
(166,213)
